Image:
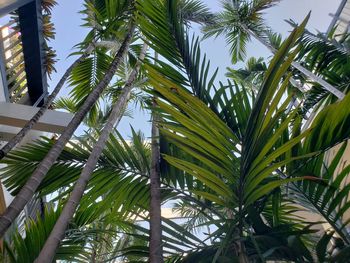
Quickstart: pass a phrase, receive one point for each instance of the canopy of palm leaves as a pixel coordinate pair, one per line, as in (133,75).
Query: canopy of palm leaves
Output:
(241,167)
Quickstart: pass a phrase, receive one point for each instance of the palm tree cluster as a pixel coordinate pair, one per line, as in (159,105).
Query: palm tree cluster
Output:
(246,162)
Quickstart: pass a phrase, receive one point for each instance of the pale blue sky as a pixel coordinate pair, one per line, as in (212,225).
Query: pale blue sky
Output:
(67,21)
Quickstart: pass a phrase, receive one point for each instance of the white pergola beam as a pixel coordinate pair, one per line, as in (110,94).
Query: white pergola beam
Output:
(17,115)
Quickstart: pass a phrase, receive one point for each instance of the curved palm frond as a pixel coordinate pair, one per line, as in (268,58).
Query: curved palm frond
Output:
(325,196)
(275,39)
(240,169)
(234,22)
(107,22)
(105,18)
(251,75)
(128,162)
(94,125)
(166,30)
(194,11)
(48,5)
(325,59)
(25,249)
(85,77)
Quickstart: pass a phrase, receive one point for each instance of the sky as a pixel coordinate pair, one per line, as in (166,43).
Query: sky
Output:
(67,22)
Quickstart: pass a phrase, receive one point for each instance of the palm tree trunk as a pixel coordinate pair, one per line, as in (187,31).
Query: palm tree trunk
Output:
(29,125)
(242,254)
(93,256)
(299,67)
(34,181)
(155,245)
(2,210)
(57,234)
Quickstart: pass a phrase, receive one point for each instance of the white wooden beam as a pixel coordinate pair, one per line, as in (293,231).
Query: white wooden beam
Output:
(7,6)
(17,115)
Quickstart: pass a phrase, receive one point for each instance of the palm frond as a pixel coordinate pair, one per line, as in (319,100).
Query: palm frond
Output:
(165,31)
(26,248)
(85,77)
(129,162)
(236,21)
(194,11)
(251,75)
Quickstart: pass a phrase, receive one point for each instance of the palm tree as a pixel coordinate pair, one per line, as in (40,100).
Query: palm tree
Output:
(89,48)
(57,234)
(254,185)
(240,166)
(241,20)
(122,170)
(204,133)
(109,74)
(155,243)
(190,128)
(192,14)
(251,75)
(28,190)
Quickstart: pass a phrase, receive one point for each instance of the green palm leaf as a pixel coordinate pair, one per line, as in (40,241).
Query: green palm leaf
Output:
(26,249)
(162,23)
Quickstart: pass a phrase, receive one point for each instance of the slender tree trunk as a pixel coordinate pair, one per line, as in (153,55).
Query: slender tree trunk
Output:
(242,253)
(239,246)
(29,125)
(93,256)
(2,210)
(155,244)
(57,234)
(34,181)
(303,70)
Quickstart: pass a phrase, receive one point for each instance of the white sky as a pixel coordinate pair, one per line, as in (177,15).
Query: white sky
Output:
(69,33)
